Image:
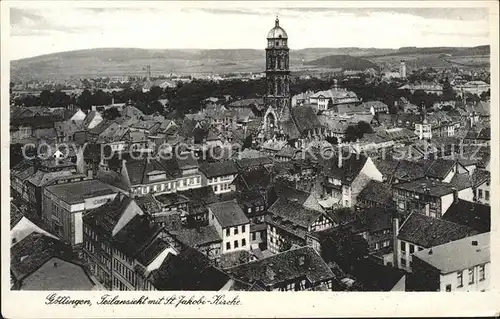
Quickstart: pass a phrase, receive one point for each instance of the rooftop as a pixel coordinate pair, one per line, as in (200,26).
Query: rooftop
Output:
(427,186)
(471,214)
(426,231)
(297,263)
(459,254)
(228,214)
(74,193)
(195,237)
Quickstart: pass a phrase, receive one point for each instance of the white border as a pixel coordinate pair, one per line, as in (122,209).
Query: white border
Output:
(312,304)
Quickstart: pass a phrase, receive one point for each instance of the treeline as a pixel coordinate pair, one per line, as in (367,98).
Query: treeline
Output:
(189,97)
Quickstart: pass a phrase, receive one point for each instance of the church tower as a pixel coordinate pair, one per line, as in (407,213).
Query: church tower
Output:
(277,99)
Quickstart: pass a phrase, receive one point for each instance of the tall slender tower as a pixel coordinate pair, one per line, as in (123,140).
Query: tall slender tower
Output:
(277,98)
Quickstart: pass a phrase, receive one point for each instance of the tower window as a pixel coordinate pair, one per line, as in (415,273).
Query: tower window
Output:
(277,43)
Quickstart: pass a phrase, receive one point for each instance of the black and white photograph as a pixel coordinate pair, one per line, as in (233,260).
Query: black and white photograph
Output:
(253,147)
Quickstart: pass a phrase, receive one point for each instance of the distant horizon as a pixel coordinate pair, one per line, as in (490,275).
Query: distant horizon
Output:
(41,30)
(229,49)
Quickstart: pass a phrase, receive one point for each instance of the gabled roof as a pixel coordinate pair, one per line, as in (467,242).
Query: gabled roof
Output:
(380,193)
(350,169)
(32,252)
(288,266)
(294,212)
(425,231)
(474,215)
(136,235)
(305,118)
(218,169)
(439,168)
(196,237)
(105,217)
(228,214)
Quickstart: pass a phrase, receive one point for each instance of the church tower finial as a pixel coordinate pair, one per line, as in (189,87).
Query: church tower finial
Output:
(277,22)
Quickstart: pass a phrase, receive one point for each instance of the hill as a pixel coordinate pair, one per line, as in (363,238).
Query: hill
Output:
(131,61)
(346,62)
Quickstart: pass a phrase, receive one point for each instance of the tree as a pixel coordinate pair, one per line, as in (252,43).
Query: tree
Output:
(111,113)
(84,101)
(344,248)
(485,96)
(364,128)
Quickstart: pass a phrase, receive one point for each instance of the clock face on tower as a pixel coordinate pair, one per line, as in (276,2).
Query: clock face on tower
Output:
(277,97)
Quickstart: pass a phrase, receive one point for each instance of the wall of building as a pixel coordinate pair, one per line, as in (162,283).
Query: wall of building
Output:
(483,193)
(478,284)
(239,235)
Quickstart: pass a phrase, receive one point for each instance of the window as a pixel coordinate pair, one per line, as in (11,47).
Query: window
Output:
(243,242)
(228,246)
(403,262)
(249,210)
(403,246)
(471,276)
(235,244)
(480,193)
(420,248)
(448,288)
(253,236)
(460,280)
(228,232)
(236,230)
(243,229)
(412,248)
(487,195)
(481,273)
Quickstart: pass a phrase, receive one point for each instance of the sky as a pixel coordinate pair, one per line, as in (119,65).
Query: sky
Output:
(37,30)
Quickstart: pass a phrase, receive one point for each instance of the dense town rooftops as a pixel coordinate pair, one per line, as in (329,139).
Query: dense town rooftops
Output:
(229,214)
(291,265)
(458,254)
(425,231)
(74,193)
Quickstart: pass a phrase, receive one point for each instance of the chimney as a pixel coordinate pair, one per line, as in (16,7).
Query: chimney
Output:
(395,233)
(430,251)
(455,195)
(55,264)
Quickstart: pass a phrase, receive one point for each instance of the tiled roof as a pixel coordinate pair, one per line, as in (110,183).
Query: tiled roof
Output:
(480,176)
(196,237)
(305,118)
(218,169)
(228,214)
(427,232)
(372,219)
(380,193)
(427,186)
(439,168)
(474,215)
(152,251)
(136,236)
(350,168)
(284,267)
(41,178)
(106,216)
(32,252)
(289,210)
